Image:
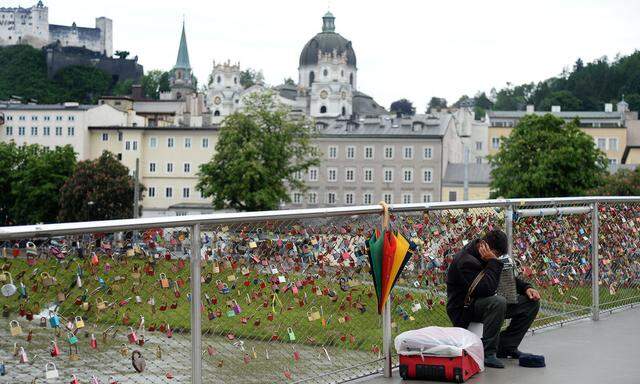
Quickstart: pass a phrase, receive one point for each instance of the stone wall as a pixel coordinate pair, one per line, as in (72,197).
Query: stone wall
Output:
(120,69)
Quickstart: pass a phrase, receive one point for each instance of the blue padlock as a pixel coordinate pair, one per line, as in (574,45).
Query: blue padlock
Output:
(54,321)
(22,290)
(3,369)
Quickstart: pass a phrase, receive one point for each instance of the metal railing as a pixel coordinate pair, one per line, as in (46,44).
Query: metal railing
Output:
(283,296)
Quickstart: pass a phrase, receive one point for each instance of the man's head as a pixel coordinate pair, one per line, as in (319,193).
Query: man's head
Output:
(497,241)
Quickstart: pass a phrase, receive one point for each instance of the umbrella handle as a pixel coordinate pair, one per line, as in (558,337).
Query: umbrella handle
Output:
(385,215)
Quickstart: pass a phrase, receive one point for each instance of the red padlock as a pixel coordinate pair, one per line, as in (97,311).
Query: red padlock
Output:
(93,343)
(169,332)
(133,338)
(55,351)
(75,380)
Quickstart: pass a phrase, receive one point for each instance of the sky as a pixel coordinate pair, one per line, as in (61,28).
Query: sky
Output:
(412,49)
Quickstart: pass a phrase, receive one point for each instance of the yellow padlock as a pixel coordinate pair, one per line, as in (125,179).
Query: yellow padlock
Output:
(15,328)
(79,322)
(164,282)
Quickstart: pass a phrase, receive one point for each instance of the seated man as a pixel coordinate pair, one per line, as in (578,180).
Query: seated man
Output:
(485,306)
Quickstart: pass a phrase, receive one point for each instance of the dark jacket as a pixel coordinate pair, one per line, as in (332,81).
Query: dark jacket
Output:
(464,268)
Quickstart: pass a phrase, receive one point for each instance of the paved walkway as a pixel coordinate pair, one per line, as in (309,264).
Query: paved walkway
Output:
(586,352)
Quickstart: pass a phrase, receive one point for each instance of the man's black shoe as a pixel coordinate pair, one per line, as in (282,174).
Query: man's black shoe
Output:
(513,354)
(493,362)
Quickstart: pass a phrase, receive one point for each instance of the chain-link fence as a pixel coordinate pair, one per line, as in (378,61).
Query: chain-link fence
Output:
(280,297)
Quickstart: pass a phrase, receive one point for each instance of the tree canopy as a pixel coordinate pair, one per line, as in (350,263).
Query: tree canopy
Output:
(32,177)
(403,106)
(624,182)
(436,103)
(545,157)
(259,153)
(250,77)
(99,189)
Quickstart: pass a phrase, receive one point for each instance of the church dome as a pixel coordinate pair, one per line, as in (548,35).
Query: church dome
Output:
(326,42)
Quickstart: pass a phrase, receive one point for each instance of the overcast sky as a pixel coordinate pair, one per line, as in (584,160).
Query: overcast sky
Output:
(405,48)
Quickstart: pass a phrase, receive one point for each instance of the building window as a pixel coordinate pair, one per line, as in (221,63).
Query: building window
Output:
(613,144)
(58,131)
(332,174)
(22,118)
(58,118)
(105,137)
(323,109)
(119,156)
(313,174)
(120,135)
(46,131)
(613,162)
(478,145)
(21,131)
(407,175)
(367,198)
(348,198)
(153,142)
(152,167)
(368,153)
(388,152)
(9,118)
(427,175)
(127,145)
(187,142)
(427,153)
(367,175)
(407,153)
(351,152)
(297,198)
(407,198)
(34,131)
(478,159)
(187,167)
(34,118)
(72,118)
(216,113)
(47,118)
(169,167)
(313,198)
(387,198)
(170,142)
(350,174)
(312,77)
(388,175)
(151,192)
(333,152)
(331,197)
(71,131)
(426,197)
(205,142)
(495,142)
(8,131)
(186,192)
(453,195)
(168,192)
(134,145)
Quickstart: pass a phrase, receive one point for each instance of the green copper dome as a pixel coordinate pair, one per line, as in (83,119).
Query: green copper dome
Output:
(326,42)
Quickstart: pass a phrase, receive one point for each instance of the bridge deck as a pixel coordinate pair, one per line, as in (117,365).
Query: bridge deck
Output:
(585,352)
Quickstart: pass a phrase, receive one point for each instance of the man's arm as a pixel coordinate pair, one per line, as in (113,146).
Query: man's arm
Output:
(489,283)
(522,286)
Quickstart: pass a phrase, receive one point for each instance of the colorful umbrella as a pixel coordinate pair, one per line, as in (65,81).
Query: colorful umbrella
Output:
(388,256)
(404,250)
(375,261)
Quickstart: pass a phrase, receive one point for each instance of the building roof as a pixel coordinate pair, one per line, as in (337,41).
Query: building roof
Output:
(364,105)
(212,127)
(158,106)
(47,107)
(287,91)
(183,54)
(326,42)
(416,127)
(479,174)
(562,115)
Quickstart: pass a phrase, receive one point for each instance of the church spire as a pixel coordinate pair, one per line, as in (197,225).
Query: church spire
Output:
(183,53)
(328,22)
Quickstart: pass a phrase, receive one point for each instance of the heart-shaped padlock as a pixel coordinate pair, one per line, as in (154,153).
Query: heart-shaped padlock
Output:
(138,362)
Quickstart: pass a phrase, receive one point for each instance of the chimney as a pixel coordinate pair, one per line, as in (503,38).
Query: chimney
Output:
(531,108)
(555,108)
(136,92)
(608,107)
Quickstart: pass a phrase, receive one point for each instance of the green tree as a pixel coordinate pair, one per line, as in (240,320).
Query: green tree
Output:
(151,83)
(564,99)
(403,106)
(436,103)
(546,157)
(624,182)
(250,77)
(121,54)
(82,84)
(513,98)
(289,81)
(38,175)
(23,73)
(122,88)
(163,82)
(10,159)
(258,154)
(99,189)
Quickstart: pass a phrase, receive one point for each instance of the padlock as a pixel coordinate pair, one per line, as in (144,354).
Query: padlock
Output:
(236,307)
(8,289)
(3,368)
(138,362)
(133,338)
(292,336)
(169,332)
(55,350)
(15,328)
(416,306)
(72,338)
(43,322)
(313,315)
(54,320)
(93,343)
(50,371)
(164,282)
(79,323)
(74,380)
(23,356)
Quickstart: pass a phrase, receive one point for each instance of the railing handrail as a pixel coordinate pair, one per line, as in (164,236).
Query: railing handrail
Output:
(59,229)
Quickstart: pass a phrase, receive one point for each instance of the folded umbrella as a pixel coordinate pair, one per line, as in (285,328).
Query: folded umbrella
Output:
(404,250)
(388,255)
(375,261)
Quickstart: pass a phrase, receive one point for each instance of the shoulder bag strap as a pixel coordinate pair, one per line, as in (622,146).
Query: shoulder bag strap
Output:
(472,287)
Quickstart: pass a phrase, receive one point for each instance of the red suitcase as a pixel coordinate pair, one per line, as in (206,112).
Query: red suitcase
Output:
(437,368)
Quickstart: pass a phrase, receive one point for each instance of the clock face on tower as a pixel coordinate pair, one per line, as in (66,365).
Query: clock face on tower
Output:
(324,94)
(217,100)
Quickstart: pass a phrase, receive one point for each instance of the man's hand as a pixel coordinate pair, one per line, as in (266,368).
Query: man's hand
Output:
(532,294)
(485,252)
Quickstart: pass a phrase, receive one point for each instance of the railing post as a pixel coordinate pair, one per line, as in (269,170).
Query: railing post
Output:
(595,264)
(386,337)
(196,299)
(508,224)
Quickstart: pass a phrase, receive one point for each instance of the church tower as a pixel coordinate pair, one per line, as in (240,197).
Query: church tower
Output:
(181,80)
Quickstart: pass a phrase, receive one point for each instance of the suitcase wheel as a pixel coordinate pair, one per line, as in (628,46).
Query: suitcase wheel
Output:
(404,371)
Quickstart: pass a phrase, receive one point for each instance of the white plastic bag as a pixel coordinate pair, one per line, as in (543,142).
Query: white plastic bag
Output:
(441,341)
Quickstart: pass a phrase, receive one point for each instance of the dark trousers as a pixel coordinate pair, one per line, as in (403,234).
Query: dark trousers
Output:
(491,312)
